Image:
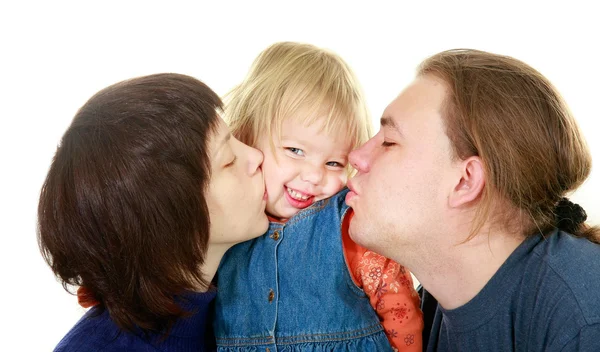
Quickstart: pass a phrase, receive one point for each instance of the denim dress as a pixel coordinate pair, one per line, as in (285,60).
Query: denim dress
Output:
(290,290)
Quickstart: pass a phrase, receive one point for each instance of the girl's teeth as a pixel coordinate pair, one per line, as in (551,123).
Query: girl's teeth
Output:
(297,195)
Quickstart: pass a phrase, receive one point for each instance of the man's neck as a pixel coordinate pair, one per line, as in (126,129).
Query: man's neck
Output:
(454,274)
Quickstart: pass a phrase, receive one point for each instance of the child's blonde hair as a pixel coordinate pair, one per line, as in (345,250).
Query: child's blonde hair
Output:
(300,80)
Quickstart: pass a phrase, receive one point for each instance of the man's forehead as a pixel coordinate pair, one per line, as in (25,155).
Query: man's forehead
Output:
(423,95)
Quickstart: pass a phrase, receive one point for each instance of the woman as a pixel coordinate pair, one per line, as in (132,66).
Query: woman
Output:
(146,192)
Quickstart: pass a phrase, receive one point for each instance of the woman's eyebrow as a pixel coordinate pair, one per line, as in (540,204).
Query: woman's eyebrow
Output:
(222,143)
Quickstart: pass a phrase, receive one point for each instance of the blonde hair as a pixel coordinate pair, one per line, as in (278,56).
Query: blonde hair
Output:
(302,81)
(514,119)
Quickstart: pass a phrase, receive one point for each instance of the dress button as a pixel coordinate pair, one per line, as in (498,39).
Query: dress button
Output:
(271,295)
(275,235)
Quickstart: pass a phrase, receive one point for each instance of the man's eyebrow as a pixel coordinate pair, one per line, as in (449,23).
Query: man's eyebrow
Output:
(387,121)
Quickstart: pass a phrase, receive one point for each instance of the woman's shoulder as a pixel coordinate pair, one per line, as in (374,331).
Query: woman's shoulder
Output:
(95,331)
(91,333)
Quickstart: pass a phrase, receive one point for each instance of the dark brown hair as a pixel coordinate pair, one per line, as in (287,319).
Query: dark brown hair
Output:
(122,211)
(511,116)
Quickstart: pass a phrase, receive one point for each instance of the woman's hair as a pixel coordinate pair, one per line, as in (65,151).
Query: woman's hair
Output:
(301,81)
(122,210)
(513,118)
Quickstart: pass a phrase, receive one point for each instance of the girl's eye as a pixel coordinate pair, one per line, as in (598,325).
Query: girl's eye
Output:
(231,162)
(296,151)
(387,144)
(335,164)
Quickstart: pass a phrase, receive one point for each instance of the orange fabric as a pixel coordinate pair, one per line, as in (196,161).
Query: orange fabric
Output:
(86,297)
(390,289)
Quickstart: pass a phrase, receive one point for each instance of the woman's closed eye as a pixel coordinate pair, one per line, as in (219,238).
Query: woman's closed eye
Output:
(387,144)
(231,162)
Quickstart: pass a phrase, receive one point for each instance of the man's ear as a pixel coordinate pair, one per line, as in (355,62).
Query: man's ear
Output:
(471,182)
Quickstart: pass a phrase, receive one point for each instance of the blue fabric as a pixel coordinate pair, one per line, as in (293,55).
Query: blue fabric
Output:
(293,291)
(545,297)
(96,332)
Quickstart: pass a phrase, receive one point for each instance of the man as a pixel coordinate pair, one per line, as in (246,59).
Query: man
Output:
(464,185)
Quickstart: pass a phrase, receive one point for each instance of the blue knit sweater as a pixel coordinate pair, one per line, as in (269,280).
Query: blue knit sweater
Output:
(99,333)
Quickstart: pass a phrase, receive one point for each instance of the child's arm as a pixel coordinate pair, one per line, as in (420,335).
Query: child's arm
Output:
(391,292)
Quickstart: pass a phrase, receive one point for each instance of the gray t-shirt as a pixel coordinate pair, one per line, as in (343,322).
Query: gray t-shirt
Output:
(545,297)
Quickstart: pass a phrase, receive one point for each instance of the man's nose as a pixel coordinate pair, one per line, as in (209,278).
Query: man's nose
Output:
(360,157)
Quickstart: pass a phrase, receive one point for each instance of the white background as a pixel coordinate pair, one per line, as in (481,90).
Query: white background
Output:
(55,55)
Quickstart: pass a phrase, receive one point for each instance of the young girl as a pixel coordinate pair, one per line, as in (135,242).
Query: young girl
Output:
(304,285)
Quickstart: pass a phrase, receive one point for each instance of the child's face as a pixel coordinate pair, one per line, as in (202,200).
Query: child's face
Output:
(310,166)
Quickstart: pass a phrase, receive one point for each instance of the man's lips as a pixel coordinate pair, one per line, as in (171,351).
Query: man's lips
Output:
(350,195)
(350,186)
